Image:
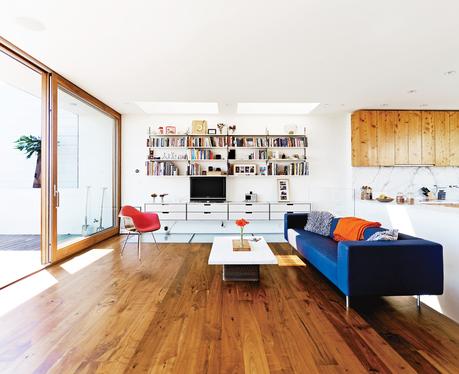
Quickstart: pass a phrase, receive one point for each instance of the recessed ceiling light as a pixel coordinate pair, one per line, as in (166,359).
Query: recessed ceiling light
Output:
(384,105)
(423,105)
(162,107)
(276,108)
(450,72)
(412,91)
(73,104)
(30,23)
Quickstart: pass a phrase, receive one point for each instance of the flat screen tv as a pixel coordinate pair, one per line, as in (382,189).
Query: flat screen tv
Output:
(207,188)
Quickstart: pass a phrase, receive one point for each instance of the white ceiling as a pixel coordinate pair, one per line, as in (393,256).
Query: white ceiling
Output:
(347,54)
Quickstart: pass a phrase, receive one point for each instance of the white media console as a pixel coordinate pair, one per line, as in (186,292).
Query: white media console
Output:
(226,211)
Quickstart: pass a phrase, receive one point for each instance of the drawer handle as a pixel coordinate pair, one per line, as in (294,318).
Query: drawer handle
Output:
(166,212)
(289,204)
(248,204)
(207,212)
(289,212)
(248,212)
(206,204)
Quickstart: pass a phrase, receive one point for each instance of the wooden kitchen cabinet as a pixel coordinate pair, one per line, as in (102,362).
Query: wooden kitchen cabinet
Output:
(442,139)
(454,138)
(364,144)
(408,138)
(385,134)
(428,137)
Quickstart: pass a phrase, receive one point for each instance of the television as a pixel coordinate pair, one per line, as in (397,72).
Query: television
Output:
(208,189)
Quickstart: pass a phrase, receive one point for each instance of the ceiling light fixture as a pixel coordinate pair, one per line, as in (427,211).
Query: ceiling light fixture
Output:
(412,91)
(163,107)
(384,105)
(276,108)
(450,72)
(424,105)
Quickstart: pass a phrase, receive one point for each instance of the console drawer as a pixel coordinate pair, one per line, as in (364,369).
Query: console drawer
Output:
(171,216)
(207,207)
(280,215)
(207,215)
(248,207)
(158,207)
(291,207)
(249,215)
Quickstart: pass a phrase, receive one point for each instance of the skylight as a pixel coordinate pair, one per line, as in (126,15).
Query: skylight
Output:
(163,107)
(276,108)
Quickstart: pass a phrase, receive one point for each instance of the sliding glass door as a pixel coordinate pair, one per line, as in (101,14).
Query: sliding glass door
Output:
(85,165)
(21,164)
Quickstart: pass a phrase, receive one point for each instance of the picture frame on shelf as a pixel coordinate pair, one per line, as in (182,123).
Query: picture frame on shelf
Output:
(283,188)
(171,130)
(263,170)
(212,131)
(199,127)
(245,169)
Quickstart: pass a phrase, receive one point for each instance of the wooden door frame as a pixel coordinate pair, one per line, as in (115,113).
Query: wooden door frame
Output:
(59,253)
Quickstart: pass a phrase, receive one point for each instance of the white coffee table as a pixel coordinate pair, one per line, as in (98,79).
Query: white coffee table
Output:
(241,265)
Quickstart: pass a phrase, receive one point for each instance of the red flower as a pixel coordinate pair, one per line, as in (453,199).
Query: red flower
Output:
(242,222)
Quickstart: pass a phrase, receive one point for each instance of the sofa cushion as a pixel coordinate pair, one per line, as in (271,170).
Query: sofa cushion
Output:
(320,251)
(371,231)
(333,225)
(319,222)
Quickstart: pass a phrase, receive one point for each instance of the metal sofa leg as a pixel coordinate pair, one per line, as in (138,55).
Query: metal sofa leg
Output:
(348,302)
(418,301)
(125,242)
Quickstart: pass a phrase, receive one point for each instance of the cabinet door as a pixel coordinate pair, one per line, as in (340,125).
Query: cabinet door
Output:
(402,139)
(428,137)
(386,137)
(442,150)
(364,151)
(454,138)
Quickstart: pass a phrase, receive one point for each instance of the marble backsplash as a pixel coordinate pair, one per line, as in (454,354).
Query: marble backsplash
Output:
(391,180)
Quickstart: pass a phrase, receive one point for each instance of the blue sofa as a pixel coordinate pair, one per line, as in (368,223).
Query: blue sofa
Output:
(407,266)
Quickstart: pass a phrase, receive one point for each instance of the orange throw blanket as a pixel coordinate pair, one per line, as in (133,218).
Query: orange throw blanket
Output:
(352,228)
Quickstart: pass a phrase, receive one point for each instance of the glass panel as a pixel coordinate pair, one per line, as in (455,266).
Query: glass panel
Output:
(20,169)
(85,167)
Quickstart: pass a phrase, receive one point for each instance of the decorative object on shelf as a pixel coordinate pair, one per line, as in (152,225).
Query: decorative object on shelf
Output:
(161,130)
(251,197)
(400,198)
(212,131)
(218,157)
(162,196)
(220,127)
(410,198)
(290,129)
(283,187)
(154,196)
(232,128)
(171,130)
(263,170)
(383,199)
(31,145)
(232,154)
(245,169)
(241,244)
(366,193)
(199,127)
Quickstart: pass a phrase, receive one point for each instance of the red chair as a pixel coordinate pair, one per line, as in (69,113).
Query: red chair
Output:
(138,223)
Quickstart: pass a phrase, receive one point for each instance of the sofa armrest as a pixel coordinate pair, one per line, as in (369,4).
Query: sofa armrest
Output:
(294,221)
(400,267)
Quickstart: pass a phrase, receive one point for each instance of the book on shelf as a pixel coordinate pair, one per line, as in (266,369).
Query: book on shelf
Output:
(194,169)
(161,168)
(287,142)
(153,141)
(202,154)
(207,141)
(247,141)
(294,168)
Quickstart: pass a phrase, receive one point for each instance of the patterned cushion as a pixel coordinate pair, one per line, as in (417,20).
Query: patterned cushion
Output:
(319,223)
(384,235)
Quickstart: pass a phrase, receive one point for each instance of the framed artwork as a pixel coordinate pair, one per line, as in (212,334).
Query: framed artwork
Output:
(212,131)
(246,169)
(199,127)
(171,130)
(283,190)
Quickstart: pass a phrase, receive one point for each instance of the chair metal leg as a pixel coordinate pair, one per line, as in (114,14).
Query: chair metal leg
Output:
(139,240)
(348,302)
(125,242)
(418,301)
(157,246)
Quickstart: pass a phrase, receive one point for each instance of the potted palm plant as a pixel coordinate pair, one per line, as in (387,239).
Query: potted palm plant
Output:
(31,145)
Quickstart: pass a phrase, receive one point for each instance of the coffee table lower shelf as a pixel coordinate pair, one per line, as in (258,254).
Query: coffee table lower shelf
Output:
(250,273)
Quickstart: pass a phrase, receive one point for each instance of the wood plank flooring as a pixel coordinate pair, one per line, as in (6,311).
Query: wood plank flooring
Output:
(172,313)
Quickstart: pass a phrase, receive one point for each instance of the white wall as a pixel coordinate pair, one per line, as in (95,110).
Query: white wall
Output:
(328,154)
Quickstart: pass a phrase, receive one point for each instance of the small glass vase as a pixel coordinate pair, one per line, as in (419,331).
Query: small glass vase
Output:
(242,237)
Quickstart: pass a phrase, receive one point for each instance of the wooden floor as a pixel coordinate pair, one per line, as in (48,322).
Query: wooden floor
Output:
(172,313)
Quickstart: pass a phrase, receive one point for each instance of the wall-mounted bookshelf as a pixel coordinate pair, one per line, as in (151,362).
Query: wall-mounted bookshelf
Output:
(217,154)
